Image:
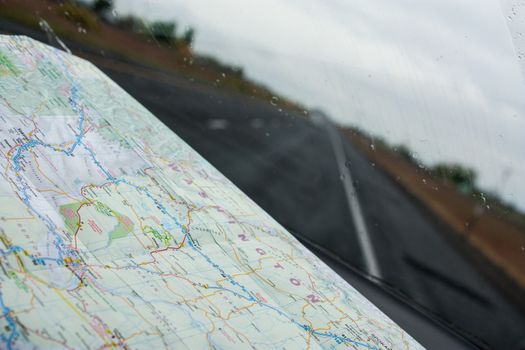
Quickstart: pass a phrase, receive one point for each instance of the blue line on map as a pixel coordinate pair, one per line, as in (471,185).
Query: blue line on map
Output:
(6,313)
(12,249)
(63,250)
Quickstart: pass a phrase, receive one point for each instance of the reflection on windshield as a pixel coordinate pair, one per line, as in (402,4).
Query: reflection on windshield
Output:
(388,133)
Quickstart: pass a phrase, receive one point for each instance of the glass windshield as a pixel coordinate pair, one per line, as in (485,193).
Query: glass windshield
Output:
(387,135)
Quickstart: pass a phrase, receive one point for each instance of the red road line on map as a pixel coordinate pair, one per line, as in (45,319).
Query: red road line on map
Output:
(180,244)
(85,203)
(166,248)
(78,225)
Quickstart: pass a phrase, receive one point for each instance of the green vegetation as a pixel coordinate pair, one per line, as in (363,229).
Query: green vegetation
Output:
(102,6)
(163,31)
(188,36)
(404,152)
(6,66)
(70,214)
(164,237)
(464,178)
(132,24)
(79,14)
(123,228)
(104,209)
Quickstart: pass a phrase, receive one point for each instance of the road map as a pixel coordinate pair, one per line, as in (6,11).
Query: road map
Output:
(114,233)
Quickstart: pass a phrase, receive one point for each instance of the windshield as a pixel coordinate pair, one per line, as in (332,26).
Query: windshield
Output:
(387,134)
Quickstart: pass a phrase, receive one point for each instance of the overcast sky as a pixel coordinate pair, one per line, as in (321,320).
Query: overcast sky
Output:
(441,76)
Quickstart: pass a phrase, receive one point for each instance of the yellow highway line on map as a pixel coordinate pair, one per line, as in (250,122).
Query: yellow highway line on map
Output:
(75,309)
(68,303)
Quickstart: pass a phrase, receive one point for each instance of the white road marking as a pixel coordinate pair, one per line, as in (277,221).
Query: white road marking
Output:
(363,237)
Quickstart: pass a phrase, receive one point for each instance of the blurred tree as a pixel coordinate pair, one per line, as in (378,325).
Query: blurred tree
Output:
(132,23)
(404,152)
(188,36)
(461,176)
(164,31)
(102,6)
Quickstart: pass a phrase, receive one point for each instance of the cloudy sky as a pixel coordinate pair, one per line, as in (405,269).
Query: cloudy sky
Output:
(441,76)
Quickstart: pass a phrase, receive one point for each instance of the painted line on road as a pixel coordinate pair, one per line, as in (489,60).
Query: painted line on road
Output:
(363,237)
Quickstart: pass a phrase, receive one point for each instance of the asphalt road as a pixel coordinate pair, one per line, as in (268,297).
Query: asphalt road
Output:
(289,165)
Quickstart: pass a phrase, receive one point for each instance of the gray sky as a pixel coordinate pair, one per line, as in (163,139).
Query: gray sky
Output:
(441,76)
